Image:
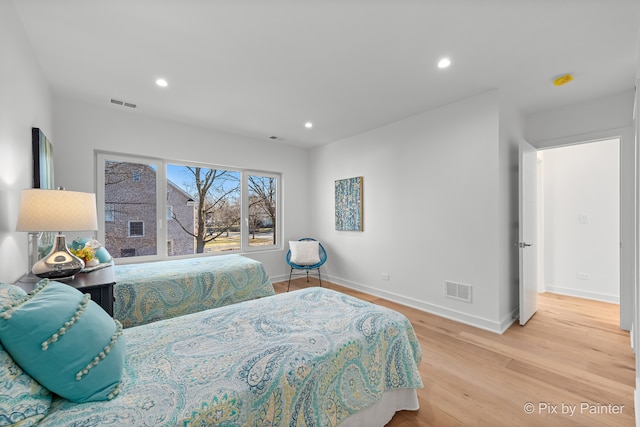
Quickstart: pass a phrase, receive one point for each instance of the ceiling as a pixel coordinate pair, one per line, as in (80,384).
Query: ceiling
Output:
(264,68)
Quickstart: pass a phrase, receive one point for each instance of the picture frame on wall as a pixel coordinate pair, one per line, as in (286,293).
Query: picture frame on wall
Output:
(42,160)
(42,149)
(349,206)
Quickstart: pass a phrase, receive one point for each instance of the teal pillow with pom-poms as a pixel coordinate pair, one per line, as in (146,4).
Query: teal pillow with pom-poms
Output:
(23,401)
(65,341)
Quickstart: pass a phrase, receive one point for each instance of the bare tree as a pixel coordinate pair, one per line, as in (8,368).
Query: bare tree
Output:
(214,192)
(262,201)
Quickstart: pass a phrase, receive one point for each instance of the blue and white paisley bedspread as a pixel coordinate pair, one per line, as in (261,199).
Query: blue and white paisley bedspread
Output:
(160,290)
(306,358)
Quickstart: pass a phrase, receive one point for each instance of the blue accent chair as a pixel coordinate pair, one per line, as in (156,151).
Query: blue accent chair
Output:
(306,268)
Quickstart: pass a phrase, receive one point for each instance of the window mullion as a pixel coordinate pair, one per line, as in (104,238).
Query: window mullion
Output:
(244,209)
(161,203)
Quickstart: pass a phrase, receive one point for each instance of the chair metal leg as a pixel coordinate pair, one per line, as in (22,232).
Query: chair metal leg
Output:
(307,272)
(290,272)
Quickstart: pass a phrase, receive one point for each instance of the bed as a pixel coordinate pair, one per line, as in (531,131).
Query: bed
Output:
(313,357)
(152,291)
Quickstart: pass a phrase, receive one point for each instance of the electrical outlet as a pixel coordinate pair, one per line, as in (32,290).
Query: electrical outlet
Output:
(385,276)
(584,276)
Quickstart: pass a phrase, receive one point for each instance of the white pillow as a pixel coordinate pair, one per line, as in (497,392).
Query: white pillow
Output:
(304,252)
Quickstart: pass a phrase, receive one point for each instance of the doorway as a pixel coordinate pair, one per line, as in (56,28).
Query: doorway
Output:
(579,220)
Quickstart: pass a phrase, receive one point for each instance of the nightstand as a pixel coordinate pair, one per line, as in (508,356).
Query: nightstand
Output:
(97,283)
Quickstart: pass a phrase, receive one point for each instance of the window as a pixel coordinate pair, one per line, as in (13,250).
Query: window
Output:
(129,228)
(129,252)
(109,212)
(136,229)
(262,210)
(208,209)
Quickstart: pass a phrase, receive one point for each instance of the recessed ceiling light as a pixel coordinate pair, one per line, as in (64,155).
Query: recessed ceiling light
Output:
(308,125)
(162,83)
(444,63)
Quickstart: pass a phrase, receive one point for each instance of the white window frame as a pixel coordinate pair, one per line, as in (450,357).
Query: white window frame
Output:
(245,210)
(162,206)
(161,203)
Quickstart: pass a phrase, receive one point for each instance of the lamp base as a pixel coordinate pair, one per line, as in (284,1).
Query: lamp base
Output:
(59,264)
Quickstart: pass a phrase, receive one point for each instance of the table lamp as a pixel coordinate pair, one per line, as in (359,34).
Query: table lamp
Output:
(58,211)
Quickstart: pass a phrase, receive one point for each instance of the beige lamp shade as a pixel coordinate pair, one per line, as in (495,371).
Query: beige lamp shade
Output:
(57,210)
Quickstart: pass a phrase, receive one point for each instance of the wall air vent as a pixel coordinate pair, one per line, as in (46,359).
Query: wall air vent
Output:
(457,291)
(123,103)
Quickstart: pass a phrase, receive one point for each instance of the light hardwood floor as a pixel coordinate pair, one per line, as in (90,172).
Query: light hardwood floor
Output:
(571,356)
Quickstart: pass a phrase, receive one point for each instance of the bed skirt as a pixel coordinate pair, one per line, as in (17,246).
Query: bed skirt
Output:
(380,413)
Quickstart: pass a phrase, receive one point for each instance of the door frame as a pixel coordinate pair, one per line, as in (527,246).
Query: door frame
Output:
(628,260)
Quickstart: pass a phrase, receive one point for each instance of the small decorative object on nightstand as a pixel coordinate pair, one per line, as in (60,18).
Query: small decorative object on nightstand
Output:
(98,283)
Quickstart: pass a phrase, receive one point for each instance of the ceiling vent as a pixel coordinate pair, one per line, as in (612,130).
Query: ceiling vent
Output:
(123,103)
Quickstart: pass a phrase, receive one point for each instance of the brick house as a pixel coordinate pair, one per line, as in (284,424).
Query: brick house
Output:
(130,212)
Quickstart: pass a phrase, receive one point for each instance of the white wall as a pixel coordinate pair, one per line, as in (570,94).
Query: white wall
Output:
(431,210)
(608,113)
(599,119)
(83,128)
(582,220)
(25,102)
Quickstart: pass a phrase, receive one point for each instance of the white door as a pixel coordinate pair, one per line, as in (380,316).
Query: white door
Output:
(528,178)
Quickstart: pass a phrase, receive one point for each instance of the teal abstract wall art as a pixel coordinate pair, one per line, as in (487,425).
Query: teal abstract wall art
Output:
(349,204)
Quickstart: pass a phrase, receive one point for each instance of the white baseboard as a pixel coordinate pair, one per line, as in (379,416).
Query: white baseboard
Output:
(478,322)
(281,278)
(636,404)
(614,299)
